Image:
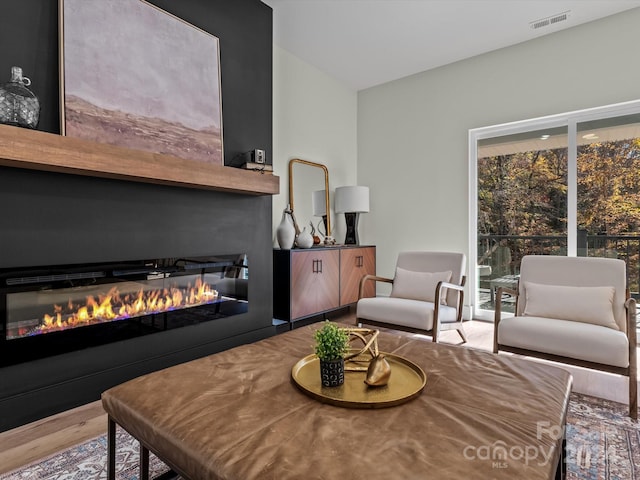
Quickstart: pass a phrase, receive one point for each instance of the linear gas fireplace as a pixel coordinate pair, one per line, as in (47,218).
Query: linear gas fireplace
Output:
(50,310)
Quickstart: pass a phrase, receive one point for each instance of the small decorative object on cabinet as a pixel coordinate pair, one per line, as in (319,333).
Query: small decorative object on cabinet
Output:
(305,239)
(316,238)
(309,282)
(18,105)
(286,232)
(332,343)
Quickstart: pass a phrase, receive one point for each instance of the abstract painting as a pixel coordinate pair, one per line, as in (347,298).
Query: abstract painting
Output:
(136,76)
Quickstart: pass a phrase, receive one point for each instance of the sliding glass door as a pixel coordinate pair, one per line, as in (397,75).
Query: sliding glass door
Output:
(562,185)
(521,205)
(608,191)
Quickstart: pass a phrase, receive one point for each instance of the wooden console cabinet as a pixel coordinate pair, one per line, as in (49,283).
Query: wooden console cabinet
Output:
(308,282)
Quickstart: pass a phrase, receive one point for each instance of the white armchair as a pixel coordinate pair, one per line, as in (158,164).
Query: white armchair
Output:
(573,310)
(427,294)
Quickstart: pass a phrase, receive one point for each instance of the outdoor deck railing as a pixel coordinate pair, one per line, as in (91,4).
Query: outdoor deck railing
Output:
(503,253)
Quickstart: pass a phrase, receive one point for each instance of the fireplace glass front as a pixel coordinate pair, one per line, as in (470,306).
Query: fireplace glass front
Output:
(56,309)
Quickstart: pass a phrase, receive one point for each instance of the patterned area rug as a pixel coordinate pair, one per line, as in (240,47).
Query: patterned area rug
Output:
(603,443)
(88,461)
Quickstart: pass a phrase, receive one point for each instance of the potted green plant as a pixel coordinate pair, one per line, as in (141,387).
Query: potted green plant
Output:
(332,343)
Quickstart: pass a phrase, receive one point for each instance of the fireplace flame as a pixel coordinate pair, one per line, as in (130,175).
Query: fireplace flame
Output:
(116,306)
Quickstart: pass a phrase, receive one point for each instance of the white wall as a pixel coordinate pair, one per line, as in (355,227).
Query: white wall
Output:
(413,132)
(314,118)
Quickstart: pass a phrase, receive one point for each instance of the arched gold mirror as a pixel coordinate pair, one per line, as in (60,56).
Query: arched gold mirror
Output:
(311,179)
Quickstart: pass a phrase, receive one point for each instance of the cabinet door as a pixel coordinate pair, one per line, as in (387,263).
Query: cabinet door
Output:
(315,282)
(355,263)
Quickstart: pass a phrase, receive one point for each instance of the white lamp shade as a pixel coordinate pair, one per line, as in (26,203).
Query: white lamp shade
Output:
(319,204)
(352,199)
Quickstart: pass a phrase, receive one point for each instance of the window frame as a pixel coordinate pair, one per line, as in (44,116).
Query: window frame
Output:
(570,120)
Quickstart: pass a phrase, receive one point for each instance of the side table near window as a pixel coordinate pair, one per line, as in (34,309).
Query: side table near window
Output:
(508,281)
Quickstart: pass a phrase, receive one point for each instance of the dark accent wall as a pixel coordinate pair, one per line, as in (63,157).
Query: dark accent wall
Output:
(50,218)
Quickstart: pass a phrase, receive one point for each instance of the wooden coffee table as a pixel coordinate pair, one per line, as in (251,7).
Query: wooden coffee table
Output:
(237,415)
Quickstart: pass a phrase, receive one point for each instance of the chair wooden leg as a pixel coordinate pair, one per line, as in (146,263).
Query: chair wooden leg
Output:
(633,394)
(462,333)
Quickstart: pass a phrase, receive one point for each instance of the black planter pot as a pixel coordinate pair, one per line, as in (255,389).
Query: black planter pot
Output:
(332,372)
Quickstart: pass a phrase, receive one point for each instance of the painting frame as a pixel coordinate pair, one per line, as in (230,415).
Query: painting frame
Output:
(136,76)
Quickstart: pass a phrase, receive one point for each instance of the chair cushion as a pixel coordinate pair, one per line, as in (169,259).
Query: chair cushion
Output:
(579,304)
(582,341)
(418,285)
(402,311)
(576,272)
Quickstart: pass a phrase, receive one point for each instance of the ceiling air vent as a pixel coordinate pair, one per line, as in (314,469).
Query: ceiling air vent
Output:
(552,20)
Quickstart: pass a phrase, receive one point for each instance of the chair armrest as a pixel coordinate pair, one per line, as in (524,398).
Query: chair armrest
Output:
(451,285)
(630,307)
(436,303)
(372,278)
(454,286)
(497,314)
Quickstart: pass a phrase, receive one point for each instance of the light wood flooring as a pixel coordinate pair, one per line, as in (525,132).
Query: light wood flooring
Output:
(28,443)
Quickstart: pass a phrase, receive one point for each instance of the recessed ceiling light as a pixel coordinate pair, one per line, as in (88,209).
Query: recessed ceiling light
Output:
(545,137)
(590,136)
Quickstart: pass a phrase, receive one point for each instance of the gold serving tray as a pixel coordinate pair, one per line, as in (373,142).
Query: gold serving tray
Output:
(406,382)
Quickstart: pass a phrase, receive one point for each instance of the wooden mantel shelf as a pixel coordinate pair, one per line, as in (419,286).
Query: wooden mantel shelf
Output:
(24,148)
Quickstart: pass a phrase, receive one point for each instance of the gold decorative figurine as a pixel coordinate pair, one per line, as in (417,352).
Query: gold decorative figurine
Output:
(378,369)
(378,372)
(367,375)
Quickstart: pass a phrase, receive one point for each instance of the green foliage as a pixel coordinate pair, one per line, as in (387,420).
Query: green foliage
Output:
(525,193)
(332,342)
(608,187)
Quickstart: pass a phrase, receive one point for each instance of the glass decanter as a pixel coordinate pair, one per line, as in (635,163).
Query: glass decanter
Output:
(18,105)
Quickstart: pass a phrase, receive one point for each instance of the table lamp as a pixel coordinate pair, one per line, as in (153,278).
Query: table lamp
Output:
(352,201)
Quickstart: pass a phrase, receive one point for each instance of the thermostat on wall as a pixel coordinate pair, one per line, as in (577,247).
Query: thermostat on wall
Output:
(258,156)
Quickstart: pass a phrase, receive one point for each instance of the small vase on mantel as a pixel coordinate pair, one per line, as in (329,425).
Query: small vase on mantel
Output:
(286,232)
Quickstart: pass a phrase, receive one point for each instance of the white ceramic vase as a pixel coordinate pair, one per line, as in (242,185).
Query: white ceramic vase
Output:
(286,232)
(305,239)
